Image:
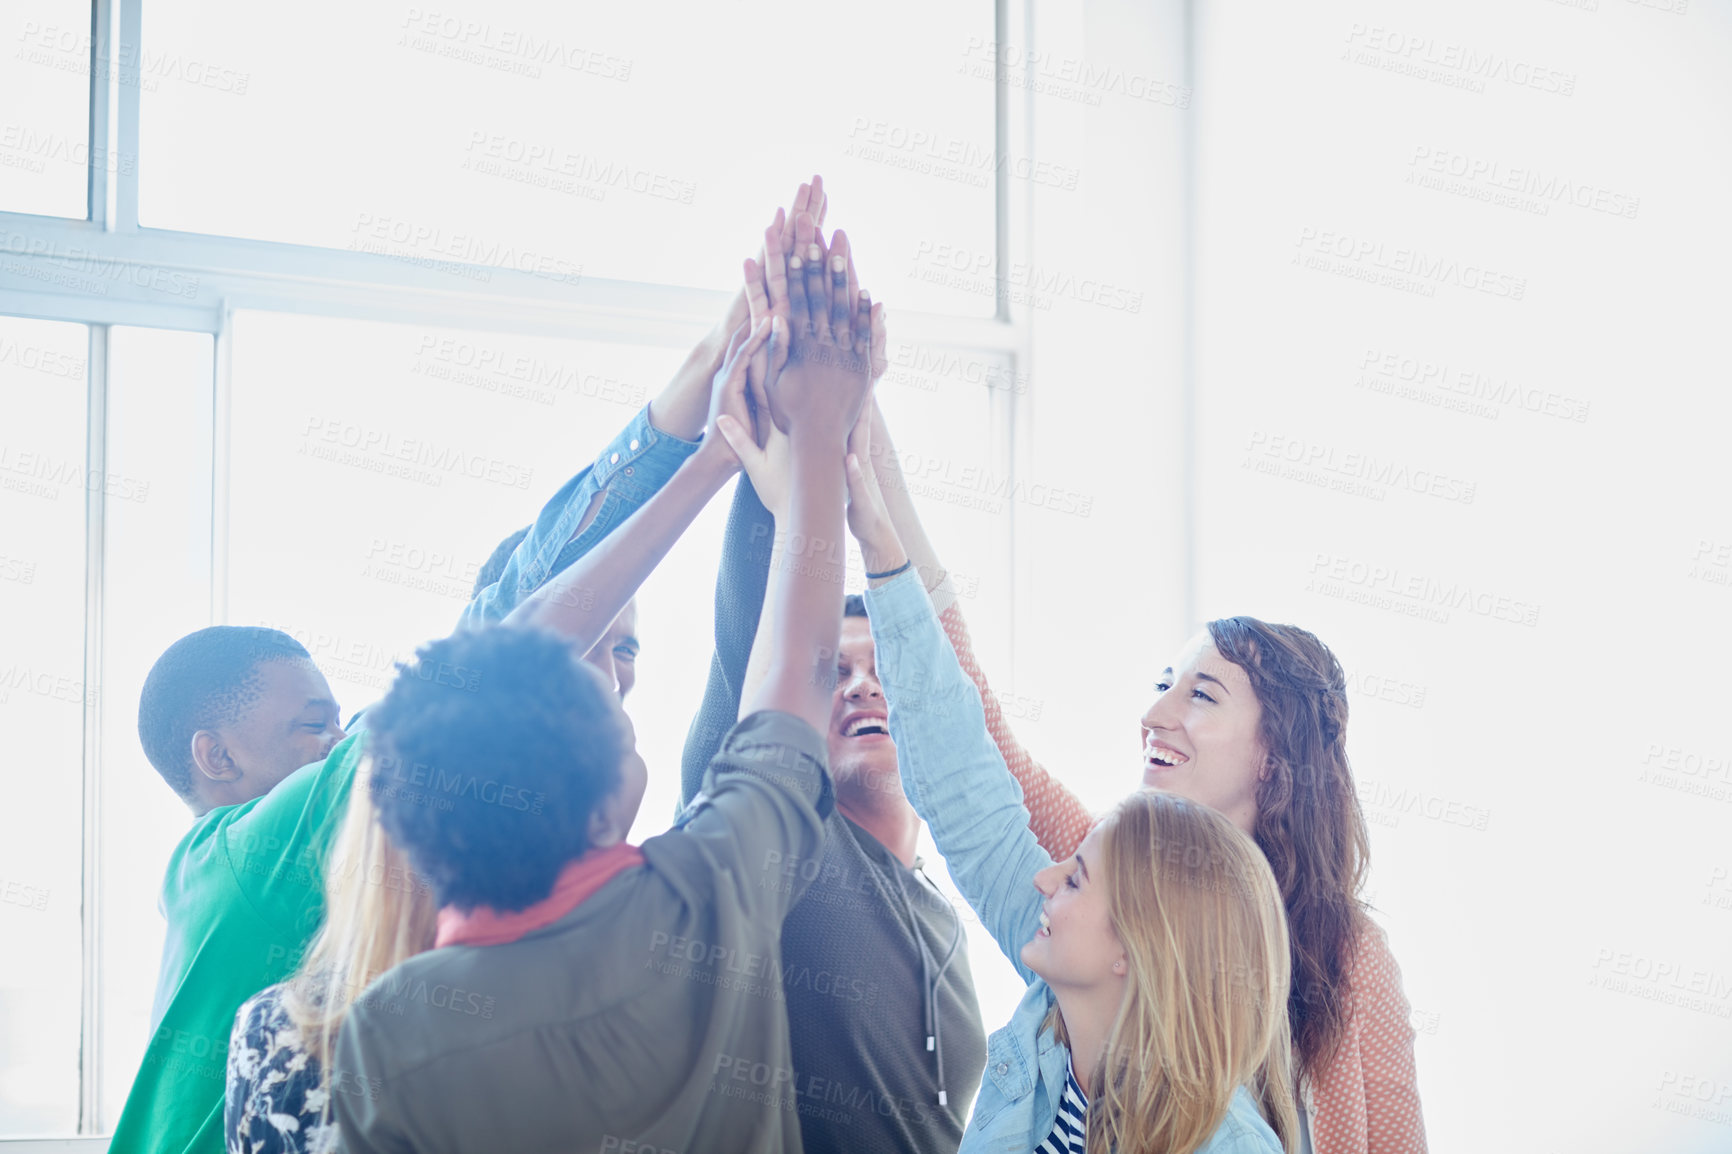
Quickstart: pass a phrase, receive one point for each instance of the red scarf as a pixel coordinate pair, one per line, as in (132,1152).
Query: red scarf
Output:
(579,880)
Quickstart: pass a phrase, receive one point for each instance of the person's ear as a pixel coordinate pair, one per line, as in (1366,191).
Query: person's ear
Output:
(211,758)
(1119,967)
(605,827)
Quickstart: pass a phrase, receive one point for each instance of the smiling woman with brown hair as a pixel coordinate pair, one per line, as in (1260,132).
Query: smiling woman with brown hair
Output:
(1250,720)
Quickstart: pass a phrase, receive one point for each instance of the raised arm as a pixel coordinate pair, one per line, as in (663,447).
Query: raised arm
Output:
(952,773)
(1058,817)
(581,602)
(635,464)
(815,399)
(745,562)
(768,294)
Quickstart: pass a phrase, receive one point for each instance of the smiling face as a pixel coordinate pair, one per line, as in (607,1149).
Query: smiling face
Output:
(1076,948)
(1200,736)
(862,756)
(292,722)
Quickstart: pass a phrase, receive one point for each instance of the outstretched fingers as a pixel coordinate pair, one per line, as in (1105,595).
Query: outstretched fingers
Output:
(733,398)
(880,351)
(802,200)
(841,303)
(763,358)
(818,292)
(799,313)
(865,339)
(774,260)
(817,202)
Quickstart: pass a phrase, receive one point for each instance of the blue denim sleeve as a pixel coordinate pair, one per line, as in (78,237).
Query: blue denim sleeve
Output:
(951,770)
(627,473)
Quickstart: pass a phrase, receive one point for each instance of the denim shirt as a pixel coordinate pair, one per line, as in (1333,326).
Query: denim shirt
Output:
(957,781)
(628,472)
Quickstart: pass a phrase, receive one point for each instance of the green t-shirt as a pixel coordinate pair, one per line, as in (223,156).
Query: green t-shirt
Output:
(243,895)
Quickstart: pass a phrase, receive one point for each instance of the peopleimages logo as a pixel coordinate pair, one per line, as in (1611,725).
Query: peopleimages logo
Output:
(347,443)
(498,154)
(1374,473)
(1069,77)
(38,148)
(1545,189)
(462,254)
(1412,594)
(39,359)
(973,270)
(40,474)
(69,50)
(932,153)
(1460,388)
(87,271)
(1372,260)
(497,45)
(1428,58)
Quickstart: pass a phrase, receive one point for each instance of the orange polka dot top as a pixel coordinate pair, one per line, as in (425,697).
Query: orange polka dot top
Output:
(1366,1100)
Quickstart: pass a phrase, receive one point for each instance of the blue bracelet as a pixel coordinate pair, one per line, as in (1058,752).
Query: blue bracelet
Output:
(902,568)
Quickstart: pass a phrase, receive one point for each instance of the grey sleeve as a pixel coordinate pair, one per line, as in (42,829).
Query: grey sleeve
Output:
(761,810)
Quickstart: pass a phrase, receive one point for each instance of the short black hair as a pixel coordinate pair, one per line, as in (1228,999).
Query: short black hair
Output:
(206,679)
(854,605)
(494,567)
(490,753)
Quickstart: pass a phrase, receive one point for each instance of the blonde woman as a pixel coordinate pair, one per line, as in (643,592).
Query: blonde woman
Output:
(378,913)
(1156,957)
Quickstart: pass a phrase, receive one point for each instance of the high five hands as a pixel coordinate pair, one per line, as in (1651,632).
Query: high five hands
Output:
(803,365)
(824,346)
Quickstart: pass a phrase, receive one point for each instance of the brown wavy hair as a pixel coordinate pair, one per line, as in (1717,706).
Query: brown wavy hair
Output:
(1309,823)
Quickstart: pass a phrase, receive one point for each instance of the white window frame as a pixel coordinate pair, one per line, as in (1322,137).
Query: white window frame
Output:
(233,273)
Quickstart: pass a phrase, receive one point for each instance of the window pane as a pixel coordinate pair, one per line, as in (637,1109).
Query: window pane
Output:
(580,139)
(157,563)
(42,702)
(45,98)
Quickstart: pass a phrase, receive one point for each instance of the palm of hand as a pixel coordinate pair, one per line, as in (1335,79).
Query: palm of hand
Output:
(770,477)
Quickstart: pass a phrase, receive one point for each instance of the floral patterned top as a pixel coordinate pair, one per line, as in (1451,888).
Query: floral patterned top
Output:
(275,1101)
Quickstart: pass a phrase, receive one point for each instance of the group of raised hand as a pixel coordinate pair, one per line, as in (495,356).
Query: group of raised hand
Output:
(802,366)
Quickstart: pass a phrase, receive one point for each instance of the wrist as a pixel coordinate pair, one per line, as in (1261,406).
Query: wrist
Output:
(675,416)
(882,552)
(812,441)
(892,568)
(682,409)
(714,460)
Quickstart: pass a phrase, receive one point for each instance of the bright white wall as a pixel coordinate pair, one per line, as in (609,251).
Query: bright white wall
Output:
(1548,799)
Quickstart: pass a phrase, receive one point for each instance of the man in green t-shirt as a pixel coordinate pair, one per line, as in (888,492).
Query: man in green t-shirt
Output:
(242,725)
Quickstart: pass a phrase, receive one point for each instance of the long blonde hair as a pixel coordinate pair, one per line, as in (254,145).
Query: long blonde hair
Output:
(378,912)
(1205,1010)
